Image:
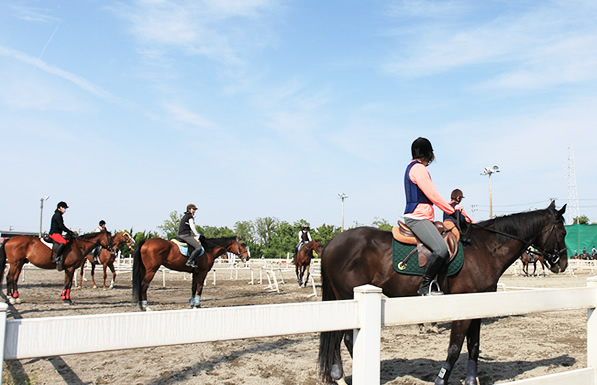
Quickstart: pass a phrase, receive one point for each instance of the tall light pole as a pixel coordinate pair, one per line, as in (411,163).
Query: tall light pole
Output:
(343,196)
(41,213)
(489,171)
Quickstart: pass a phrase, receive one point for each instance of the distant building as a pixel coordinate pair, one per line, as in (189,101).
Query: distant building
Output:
(4,234)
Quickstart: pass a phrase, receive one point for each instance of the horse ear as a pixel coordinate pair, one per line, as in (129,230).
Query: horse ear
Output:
(552,205)
(562,210)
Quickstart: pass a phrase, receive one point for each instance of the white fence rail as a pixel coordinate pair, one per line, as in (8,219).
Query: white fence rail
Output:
(366,314)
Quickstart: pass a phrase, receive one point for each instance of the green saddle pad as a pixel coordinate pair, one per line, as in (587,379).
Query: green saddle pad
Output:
(400,251)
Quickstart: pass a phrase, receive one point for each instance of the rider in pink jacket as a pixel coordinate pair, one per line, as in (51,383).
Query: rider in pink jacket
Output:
(421,195)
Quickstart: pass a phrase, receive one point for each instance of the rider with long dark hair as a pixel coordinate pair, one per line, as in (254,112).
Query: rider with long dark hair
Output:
(421,195)
(56,228)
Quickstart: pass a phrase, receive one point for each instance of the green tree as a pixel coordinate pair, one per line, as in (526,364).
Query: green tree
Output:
(326,233)
(170,226)
(582,220)
(382,224)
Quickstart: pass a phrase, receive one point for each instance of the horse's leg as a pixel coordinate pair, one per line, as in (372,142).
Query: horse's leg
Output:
(297,269)
(197,288)
(93,275)
(472,343)
(307,271)
(12,290)
(143,304)
(80,285)
(68,283)
(534,269)
(113,270)
(459,331)
(105,267)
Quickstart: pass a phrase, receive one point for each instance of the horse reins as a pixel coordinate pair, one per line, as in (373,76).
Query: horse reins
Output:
(240,254)
(552,258)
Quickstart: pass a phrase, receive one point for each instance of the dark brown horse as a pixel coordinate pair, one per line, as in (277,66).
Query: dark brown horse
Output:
(525,258)
(107,258)
(152,253)
(364,256)
(22,249)
(303,260)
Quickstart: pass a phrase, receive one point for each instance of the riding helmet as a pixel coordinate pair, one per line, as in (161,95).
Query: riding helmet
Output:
(421,148)
(102,222)
(61,204)
(191,206)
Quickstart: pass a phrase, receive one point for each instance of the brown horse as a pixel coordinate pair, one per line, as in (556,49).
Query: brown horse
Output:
(525,258)
(152,253)
(303,260)
(364,256)
(107,258)
(23,248)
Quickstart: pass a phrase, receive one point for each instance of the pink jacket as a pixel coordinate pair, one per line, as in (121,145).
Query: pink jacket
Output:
(420,176)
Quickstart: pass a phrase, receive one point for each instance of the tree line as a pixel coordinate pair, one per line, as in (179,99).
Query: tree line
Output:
(267,237)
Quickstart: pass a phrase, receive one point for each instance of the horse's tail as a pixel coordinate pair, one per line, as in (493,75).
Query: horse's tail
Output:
(2,262)
(138,271)
(329,342)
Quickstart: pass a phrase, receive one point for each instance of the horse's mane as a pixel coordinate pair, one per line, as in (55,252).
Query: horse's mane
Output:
(221,242)
(524,224)
(91,235)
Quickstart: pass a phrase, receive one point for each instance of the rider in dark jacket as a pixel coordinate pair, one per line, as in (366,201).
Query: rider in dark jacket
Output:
(186,229)
(56,228)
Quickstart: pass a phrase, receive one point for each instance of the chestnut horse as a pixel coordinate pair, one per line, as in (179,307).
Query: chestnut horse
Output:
(152,253)
(364,256)
(303,260)
(107,259)
(23,248)
(525,258)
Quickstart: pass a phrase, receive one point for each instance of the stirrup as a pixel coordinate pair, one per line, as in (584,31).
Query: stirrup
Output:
(430,291)
(191,263)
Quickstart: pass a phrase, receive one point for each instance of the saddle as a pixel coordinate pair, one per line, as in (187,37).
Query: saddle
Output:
(447,229)
(180,242)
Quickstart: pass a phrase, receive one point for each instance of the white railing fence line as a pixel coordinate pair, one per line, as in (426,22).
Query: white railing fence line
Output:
(366,314)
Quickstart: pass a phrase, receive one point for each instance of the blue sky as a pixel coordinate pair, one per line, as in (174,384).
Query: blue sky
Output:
(129,110)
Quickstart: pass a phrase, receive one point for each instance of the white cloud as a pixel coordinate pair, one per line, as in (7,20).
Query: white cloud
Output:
(72,78)
(541,46)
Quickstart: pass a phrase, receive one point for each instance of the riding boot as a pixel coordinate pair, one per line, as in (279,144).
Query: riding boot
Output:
(191,259)
(96,253)
(58,258)
(434,264)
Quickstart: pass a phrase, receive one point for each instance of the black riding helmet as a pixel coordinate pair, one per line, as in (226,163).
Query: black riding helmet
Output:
(61,204)
(422,149)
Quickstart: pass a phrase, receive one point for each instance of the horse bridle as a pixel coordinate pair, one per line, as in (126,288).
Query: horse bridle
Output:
(553,257)
(240,253)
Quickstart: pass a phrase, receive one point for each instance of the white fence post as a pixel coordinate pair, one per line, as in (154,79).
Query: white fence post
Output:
(366,362)
(3,310)
(592,331)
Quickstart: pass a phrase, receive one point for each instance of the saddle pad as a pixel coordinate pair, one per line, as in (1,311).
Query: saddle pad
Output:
(184,250)
(49,245)
(400,251)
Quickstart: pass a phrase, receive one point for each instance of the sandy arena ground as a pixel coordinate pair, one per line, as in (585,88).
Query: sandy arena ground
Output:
(512,348)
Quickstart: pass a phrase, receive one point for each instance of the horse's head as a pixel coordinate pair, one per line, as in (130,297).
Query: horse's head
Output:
(553,240)
(243,251)
(317,247)
(123,237)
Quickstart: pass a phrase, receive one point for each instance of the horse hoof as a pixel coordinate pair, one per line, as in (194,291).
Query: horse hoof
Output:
(68,302)
(11,300)
(95,287)
(18,300)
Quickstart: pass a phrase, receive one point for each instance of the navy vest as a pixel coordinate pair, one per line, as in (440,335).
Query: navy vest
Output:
(414,195)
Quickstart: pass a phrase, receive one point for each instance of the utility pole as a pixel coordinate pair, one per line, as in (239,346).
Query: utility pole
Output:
(342,196)
(489,171)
